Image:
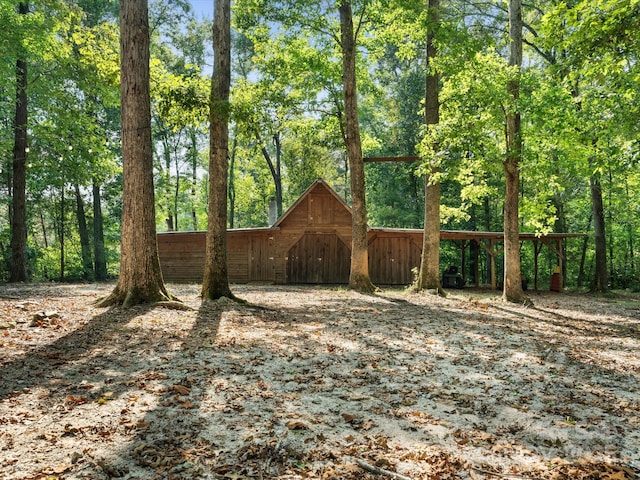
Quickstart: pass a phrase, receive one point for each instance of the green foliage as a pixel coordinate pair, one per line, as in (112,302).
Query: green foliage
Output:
(309,157)
(579,101)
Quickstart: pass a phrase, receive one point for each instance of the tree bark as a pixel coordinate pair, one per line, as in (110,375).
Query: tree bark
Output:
(429,277)
(600,280)
(583,254)
(176,193)
(631,270)
(166,175)
(140,279)
(486,206)
(512,275)
(100,265)
(232,184)
(274,168)
(278,145)
(61,232)
(83,232)
(359,276)
(193,151)
(216,273)
(613,276)
(19,262)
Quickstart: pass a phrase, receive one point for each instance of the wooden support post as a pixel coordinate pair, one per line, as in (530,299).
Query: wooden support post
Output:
(560,262)
(476,266)
(463,251)
(492,253)
(537,247)
(492,256)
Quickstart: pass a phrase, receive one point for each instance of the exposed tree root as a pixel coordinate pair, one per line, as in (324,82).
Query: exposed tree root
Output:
(439,291)
(134,297)
(174,305)
(362,284)
(241,302)
(521,300)
(226,295)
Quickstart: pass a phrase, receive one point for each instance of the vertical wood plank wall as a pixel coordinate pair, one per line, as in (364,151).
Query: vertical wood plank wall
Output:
(311,243)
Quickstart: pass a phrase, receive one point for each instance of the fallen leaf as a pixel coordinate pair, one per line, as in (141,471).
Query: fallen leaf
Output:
(296,425)
(348,417)
(181,389)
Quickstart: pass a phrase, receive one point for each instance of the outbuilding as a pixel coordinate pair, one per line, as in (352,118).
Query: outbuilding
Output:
(311,243)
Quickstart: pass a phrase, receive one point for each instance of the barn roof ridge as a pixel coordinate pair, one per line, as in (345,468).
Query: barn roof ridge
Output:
(307,192)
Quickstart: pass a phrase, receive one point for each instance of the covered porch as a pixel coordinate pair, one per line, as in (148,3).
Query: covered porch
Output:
(493,244)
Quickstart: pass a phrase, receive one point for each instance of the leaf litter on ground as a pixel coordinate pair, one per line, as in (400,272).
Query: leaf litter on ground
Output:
(318,383)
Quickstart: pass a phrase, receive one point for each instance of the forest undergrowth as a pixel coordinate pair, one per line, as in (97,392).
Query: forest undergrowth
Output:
(318,383)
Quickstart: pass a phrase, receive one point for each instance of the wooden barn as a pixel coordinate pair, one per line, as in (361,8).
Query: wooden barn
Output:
(311,243)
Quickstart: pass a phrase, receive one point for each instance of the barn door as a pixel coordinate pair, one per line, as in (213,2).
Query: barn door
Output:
(391,260)
(261,258)
(318,258)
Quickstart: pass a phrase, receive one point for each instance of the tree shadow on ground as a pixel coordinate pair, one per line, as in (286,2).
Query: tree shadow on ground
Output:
(73,356)
(168,441)
(319,378)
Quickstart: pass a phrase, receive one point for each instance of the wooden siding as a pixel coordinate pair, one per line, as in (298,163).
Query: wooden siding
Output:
(249,256)
(318,258)
(182,256)
(319,208)
(311,243)
(392,256)
(281,256)
(261,255)
(238,248)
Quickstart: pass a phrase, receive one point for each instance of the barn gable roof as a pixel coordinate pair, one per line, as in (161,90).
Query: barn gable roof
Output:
(318,184)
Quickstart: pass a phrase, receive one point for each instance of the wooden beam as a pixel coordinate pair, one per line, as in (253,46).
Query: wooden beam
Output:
(493,264)
(391,159)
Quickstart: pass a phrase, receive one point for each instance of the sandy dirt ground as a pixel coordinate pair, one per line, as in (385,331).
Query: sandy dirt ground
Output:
(319,383)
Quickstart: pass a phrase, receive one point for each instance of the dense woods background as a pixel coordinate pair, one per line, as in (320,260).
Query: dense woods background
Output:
(579,102)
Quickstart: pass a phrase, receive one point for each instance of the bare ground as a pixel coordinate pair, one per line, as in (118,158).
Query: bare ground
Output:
(318,383)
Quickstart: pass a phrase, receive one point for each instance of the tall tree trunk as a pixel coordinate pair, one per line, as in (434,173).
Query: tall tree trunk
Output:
(216,271)
(359,277)
(630,238)
(429,277)
(486,204)
(600,280)
(278,145)
(274,168)
(232,183)
(83,231)
(140,278)
(194,178)
(19,203)
(176,191)
(44,231)
(99,255)
(512,275)
(62,233)
(583,254)
(613,277)
(560,226)
(45,271)
(166,173)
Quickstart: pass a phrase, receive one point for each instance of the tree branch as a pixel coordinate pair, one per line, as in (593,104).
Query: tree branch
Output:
(380,471)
